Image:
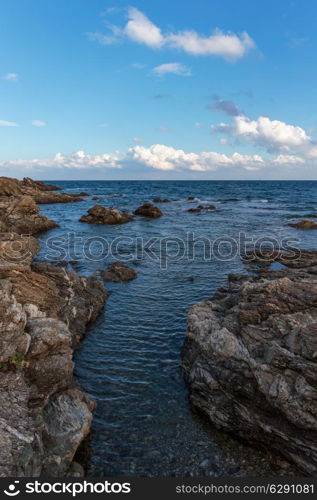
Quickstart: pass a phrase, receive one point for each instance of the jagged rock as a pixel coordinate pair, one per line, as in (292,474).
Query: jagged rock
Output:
(118,271)
(39,185)
(21,215)
(44,311)
(40,192)
(48,197)
(43,314)
(148,210)
(200,208)
(250,358)
(103,215)
(304,224)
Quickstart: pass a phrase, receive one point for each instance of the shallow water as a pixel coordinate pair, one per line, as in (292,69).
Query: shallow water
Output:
(129,361)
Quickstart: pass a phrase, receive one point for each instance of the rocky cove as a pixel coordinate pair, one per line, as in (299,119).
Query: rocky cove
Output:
(249,354)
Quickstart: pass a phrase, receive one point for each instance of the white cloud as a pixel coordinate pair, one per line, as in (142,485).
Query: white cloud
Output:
(137,140)
(5,123)
(174,68)
(164,129)
(163,157)
(274,135)
(223,141)
(141,29)
(75,160)
(288,160)
(102,39)
(158,157)
(38,123)
(227,45)
(11,77)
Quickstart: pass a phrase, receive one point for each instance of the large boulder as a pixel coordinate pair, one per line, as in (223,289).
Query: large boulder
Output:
(103,215)
(250,358)
(148,210)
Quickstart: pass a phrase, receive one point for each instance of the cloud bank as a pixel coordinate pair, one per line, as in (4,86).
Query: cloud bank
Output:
(157,157)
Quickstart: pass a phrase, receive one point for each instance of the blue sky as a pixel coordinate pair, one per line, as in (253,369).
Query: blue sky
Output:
(202,89)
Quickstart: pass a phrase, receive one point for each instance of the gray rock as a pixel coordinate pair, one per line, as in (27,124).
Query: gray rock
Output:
(250,358)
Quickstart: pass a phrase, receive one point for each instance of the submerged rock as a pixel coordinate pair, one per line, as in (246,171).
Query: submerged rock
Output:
(148,210)
(161,200)
(250,358)
(103,215)
(304,224)
(201,208)
(118,271)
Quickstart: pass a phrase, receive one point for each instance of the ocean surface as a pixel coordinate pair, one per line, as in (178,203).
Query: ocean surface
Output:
(129,362)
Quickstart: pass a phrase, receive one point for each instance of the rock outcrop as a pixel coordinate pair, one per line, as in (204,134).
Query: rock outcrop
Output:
(250,358)
(44,311)
(103,215)
(21,215)
(118,272)
(39,185)
(40,192)
(148,210)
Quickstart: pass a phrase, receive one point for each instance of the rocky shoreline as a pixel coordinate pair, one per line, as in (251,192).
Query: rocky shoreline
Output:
(250,356)
(44,311)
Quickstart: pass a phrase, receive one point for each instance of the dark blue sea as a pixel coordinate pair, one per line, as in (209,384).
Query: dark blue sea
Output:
(129,362)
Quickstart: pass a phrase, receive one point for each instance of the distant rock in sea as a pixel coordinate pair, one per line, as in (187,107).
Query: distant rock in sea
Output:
(304,224)
(103,215)
(148,210)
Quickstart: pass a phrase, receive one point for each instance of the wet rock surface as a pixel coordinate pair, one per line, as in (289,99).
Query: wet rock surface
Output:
(103,215)
(44,311)
(250,357)
(148,210)
(118,272)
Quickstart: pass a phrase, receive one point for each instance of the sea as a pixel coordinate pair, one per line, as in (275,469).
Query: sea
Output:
(129,361)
